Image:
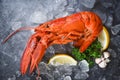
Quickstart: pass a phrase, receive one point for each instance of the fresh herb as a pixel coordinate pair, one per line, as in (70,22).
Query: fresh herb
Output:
(92,52)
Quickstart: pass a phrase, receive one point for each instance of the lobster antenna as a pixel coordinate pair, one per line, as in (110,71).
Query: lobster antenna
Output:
(18,30)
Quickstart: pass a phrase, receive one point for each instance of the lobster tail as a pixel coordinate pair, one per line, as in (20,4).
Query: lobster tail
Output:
(93,29)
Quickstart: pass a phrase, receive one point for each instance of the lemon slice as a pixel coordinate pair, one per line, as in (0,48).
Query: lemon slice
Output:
(104,38)
(62,59)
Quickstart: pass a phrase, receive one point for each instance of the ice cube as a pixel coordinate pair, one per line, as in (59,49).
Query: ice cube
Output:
(43,68)
(107,3)
(84,66)
(71,4)
(65,69)
(18,73)
(50,15)
(56,74)
(47,76)
(56,9)
(59,48)
(88,3)
(51,50)
(46,72)
(109,20)
(38,17)
(115,29)
(81,75)
(101,14)
(67,78)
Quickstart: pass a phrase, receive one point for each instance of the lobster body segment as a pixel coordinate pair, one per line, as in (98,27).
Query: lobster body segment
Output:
(80,28)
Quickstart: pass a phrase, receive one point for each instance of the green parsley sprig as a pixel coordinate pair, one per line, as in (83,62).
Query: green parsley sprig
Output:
(92,52)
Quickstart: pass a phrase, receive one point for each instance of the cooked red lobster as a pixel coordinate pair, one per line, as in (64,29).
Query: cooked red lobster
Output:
(80,28)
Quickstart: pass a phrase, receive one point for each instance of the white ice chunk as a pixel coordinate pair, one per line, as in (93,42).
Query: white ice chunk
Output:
(115,29)
(81,75)
(67,78)
(63,14)
(38,17)
(84,66)
(88,3)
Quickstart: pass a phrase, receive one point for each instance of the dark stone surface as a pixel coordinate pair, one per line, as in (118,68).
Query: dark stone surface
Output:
(18,13)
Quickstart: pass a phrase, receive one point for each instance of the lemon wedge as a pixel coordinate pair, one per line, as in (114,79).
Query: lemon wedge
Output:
(104,38)
(62,59)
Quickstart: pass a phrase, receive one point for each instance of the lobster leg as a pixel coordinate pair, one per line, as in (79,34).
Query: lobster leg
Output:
(72,33)
(78,43)
(65,38)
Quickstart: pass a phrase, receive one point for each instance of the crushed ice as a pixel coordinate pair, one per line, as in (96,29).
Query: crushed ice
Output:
(65,72)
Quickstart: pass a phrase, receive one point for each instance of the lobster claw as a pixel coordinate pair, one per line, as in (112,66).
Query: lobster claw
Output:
(26,57)
(33,54)
(37,56)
